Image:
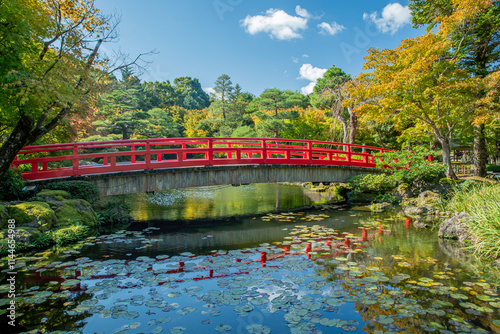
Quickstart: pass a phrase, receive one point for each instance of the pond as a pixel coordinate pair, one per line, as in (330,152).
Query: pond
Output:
(308,271)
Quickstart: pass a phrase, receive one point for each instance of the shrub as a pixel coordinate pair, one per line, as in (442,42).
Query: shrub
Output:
(43,241)
(481,201)
(11,187)
(113,212)
(493,168)
(410,166)
(371,183)
(76,189)
(71,234)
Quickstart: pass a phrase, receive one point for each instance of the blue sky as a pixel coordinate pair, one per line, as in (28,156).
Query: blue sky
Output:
(259,44)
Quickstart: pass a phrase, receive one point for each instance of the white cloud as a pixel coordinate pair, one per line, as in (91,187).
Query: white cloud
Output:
(305,56)
(295,60)
(311,73)
(394,16)
(209,90)
(306,90)
(277,23)
(302,12)
(330,29)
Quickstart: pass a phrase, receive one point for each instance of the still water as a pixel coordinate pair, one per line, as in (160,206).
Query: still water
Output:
(308,271)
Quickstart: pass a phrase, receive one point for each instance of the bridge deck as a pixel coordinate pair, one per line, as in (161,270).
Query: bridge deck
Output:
(102,158)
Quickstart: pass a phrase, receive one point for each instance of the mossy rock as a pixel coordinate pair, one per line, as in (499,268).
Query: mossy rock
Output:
(429,198)
(75,211)
(51,195)
(22,234)
(446,180)
(32,214)
(402,191)
(380,207)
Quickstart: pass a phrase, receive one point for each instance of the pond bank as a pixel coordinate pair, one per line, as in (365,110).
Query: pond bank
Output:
(466,211)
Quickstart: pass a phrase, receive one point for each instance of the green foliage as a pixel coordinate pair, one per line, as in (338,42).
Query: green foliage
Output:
(71,234)
(371,183)
(11,187)
(493,168)
(113,212)
(77,189)
(43,241)
(189,94)
(481,201)
(410,166)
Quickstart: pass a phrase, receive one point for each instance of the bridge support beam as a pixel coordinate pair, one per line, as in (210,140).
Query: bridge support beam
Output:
(174,178)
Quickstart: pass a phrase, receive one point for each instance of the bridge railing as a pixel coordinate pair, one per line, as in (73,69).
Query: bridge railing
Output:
(76,159)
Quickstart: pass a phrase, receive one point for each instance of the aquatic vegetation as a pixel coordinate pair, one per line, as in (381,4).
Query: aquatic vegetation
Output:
(316,278)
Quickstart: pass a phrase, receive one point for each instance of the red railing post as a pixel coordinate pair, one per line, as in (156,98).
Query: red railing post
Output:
(348,153)
(132,157)
(264,150)
(147,155)
(75,160)
(309,151)
(184,154)
(210,153)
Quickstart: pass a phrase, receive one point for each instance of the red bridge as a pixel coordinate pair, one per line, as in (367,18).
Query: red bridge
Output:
(121,158)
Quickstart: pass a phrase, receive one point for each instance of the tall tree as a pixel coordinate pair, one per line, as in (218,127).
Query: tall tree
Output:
(223,91)
(476,44)
(119,111)
(51,67)
(275,111)
(189,93)
(330,93)
(157,95)
(419,81)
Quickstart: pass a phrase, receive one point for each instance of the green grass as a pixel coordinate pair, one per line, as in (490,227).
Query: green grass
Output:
(483,203)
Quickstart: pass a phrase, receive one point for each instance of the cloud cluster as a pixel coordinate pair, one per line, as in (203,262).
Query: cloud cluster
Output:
(277,23)
(394,16)
(311,73)
(330,29)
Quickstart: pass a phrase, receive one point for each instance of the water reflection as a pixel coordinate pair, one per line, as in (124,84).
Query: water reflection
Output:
(310,271)
(220,201)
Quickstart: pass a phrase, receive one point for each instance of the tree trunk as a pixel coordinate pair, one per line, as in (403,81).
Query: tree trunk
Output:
(19,138)
(345,128)
(480,154)
(447,158)
(353,126)
(125,135)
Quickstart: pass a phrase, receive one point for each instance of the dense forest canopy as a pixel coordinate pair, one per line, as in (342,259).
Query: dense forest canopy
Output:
(439,89)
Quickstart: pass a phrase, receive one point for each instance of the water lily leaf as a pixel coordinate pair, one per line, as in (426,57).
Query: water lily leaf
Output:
(384,320)
(158,329)
(186,310)
(258,329)
(223,328)
(174,294)
(177,330)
